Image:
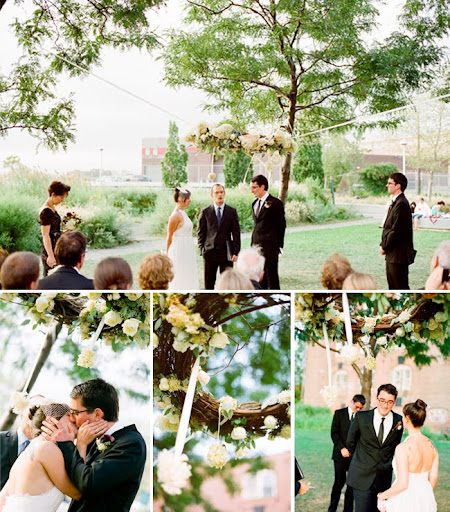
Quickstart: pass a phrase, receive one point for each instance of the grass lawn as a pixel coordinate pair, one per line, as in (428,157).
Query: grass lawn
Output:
(313,451)
(305,252)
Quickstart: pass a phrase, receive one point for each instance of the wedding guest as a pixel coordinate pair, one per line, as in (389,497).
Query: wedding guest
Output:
(250,263)
(435,211)
(113,274)
(3,255)
(231,279)
(70,252)
(301,487)
(155,272)
(20,271)
(359,281)
(334,271)
(342,419)
(50,222)
(439,268)
(412,206)
(421,210)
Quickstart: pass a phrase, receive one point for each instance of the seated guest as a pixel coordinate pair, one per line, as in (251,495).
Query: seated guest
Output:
(439,268)
(334,271)
(437,209)
(155,272)
(70,251)
(113,274)
(359,281)
(232,279)
(421,210)
(20,271)
(250,263)
(3,255)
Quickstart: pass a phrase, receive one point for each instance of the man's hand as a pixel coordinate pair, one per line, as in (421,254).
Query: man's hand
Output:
(234,258)
(345,452)
(90,431)
(382,251)
(53,430)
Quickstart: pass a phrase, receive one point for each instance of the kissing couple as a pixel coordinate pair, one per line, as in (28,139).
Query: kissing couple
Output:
(101,472)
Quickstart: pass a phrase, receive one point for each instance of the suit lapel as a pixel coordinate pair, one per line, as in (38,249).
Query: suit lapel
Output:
(395,420)
(372,428)
(92,452)
(13,448)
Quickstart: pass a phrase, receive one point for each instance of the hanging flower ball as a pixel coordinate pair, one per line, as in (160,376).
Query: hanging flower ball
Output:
(20,402)
(370,363)
(285,432)
(86,358)
(217,456)
(350,353)
(270,422)
(212,176)
(329,394)
(173,472)
(238,433)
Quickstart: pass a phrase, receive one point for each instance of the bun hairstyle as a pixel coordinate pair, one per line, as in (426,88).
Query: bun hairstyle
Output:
(38,413)
(181,193)
(416,412)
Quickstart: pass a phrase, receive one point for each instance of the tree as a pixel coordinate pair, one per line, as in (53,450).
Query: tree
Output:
(302,64)
(339,156)
(58,37)
(308,163)
(374,177)
(235,166)
(175,159)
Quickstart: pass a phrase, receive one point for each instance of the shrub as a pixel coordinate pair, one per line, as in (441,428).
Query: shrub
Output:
(134,201)
(308,163)
(374,177)
(235,166)
(103,230)
(19,228)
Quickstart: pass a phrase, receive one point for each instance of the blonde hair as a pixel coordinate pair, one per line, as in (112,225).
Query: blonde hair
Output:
(359,281)
(155,272)
(233,280)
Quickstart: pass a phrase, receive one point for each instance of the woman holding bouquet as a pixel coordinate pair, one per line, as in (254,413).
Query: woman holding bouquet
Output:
(50,222)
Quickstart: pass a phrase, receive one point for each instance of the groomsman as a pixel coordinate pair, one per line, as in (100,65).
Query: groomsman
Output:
(341,456)
(268,232)
(218,235)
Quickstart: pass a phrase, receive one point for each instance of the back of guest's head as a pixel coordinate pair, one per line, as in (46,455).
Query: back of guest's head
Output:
(250,263)
(96,393)
(20,271)
(359,281)
(3,255)
(400,179)
(261,181)
(416,412)
(38,413)
(442,253)
(233,280)
(388,388)
(181,193)
(58,188)
(359,398)
(441,203)
(334,271)
(113,274)
(70,247)
(155,272)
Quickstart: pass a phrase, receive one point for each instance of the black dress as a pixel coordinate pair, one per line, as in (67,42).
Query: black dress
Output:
(49,217)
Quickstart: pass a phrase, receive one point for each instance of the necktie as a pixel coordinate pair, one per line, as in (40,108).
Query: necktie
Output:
(381,431)
(258,208)
(353,415)
(219,216)
(23,446)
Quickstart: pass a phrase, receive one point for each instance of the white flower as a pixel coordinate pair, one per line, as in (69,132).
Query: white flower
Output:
(350,353)
(155,341)
(370,324)
(102,306)
(241,453)
(284,397)
(181,346)
(41,303)
(218,340)
(112,318)
(162,402)
(217,456)
(203,378)
(130,326)
(164,384)
(370,363)
(330,313)
(381,341)
(20,402)
(223,131)
(285,431)
(400,332)
(86,358)
(93,295)
(238,433)
(9,296)
(173,472)
(270,422)
(228,403)
(329,394)
(90,305)
(404,316)
(165,425)
(441,316)
(211,176)
(133,296)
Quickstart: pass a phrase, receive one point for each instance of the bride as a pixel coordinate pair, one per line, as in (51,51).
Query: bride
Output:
(38,480)
(415,465)
(180,244)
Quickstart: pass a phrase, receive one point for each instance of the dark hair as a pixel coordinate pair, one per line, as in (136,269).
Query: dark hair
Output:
(359,398)
(261,180)
(37,415)
(155,272)
(113,274)
(334,271)
(98,394)
(441,202)
(58,188)
(19,270)
(182,193)
(389,388)
(217,185)
(416,412)
(399,179)
(70,247)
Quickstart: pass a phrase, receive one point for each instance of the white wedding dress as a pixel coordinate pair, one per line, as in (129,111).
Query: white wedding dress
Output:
(47,502)
(184,258)
(418,497)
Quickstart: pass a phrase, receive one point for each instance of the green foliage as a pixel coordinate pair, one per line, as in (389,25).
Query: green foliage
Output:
(308,417)
(19,229)
(340,157)
(308,163)
(236,165)
(103,229)
(136,201)
(374,177)
(174,163)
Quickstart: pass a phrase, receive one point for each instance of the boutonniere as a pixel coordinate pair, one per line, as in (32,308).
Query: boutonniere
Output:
(399,425)
(267,204)
(103,442)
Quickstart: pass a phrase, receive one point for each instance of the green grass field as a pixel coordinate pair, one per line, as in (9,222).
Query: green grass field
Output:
(313,451)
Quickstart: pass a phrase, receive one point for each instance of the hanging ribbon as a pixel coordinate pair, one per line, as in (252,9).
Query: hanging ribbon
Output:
(327,346)
(98,331)
(347,319)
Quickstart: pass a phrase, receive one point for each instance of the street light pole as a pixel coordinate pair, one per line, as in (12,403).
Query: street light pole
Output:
(101,162)
(404,143)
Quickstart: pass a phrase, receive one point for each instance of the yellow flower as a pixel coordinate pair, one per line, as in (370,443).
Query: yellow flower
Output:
(86,358)
(41,304)
(218,340)
(94,296)
(285,432)
(155,341)
(370,363)
(134,296)
(217,456)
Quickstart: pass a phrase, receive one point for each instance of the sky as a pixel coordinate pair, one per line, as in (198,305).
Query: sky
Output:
(108,118)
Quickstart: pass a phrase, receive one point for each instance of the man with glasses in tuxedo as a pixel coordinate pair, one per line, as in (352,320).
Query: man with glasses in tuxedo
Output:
(372,439)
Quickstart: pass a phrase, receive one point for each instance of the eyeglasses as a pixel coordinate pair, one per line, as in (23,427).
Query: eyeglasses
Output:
(76,413)
(383,401)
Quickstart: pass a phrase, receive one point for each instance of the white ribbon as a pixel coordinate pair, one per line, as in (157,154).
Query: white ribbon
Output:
(327,346)
(348,322)
(98,331)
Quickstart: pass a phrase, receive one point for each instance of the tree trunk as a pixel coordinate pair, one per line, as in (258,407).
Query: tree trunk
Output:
(366,386)
(55,328)
(285,175)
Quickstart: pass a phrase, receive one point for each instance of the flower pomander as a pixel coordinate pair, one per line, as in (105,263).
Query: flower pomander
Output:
(20,402)
(173,471)
(329,394)
(370,363)
(103,442)
(350,353)
(217,456)
(87,358)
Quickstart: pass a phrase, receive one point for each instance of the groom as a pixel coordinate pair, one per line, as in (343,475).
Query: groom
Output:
(110,475)
(372,439)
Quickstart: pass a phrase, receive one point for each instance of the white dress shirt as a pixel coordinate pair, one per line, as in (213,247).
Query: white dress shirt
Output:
(388,422)
(350,413)
(118,425)
(263,200)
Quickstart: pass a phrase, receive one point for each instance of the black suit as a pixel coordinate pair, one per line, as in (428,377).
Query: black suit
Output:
(65,278)
(8,454)
(109,480)
(268,234)
(371,467)
(397,243)
(339,431)
(213,240)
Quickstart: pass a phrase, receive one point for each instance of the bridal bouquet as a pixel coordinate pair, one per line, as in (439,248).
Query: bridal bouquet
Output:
(71,221)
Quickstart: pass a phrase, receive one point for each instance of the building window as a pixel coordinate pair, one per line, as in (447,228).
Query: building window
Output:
(401,378)
(341,380)
(261,485)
